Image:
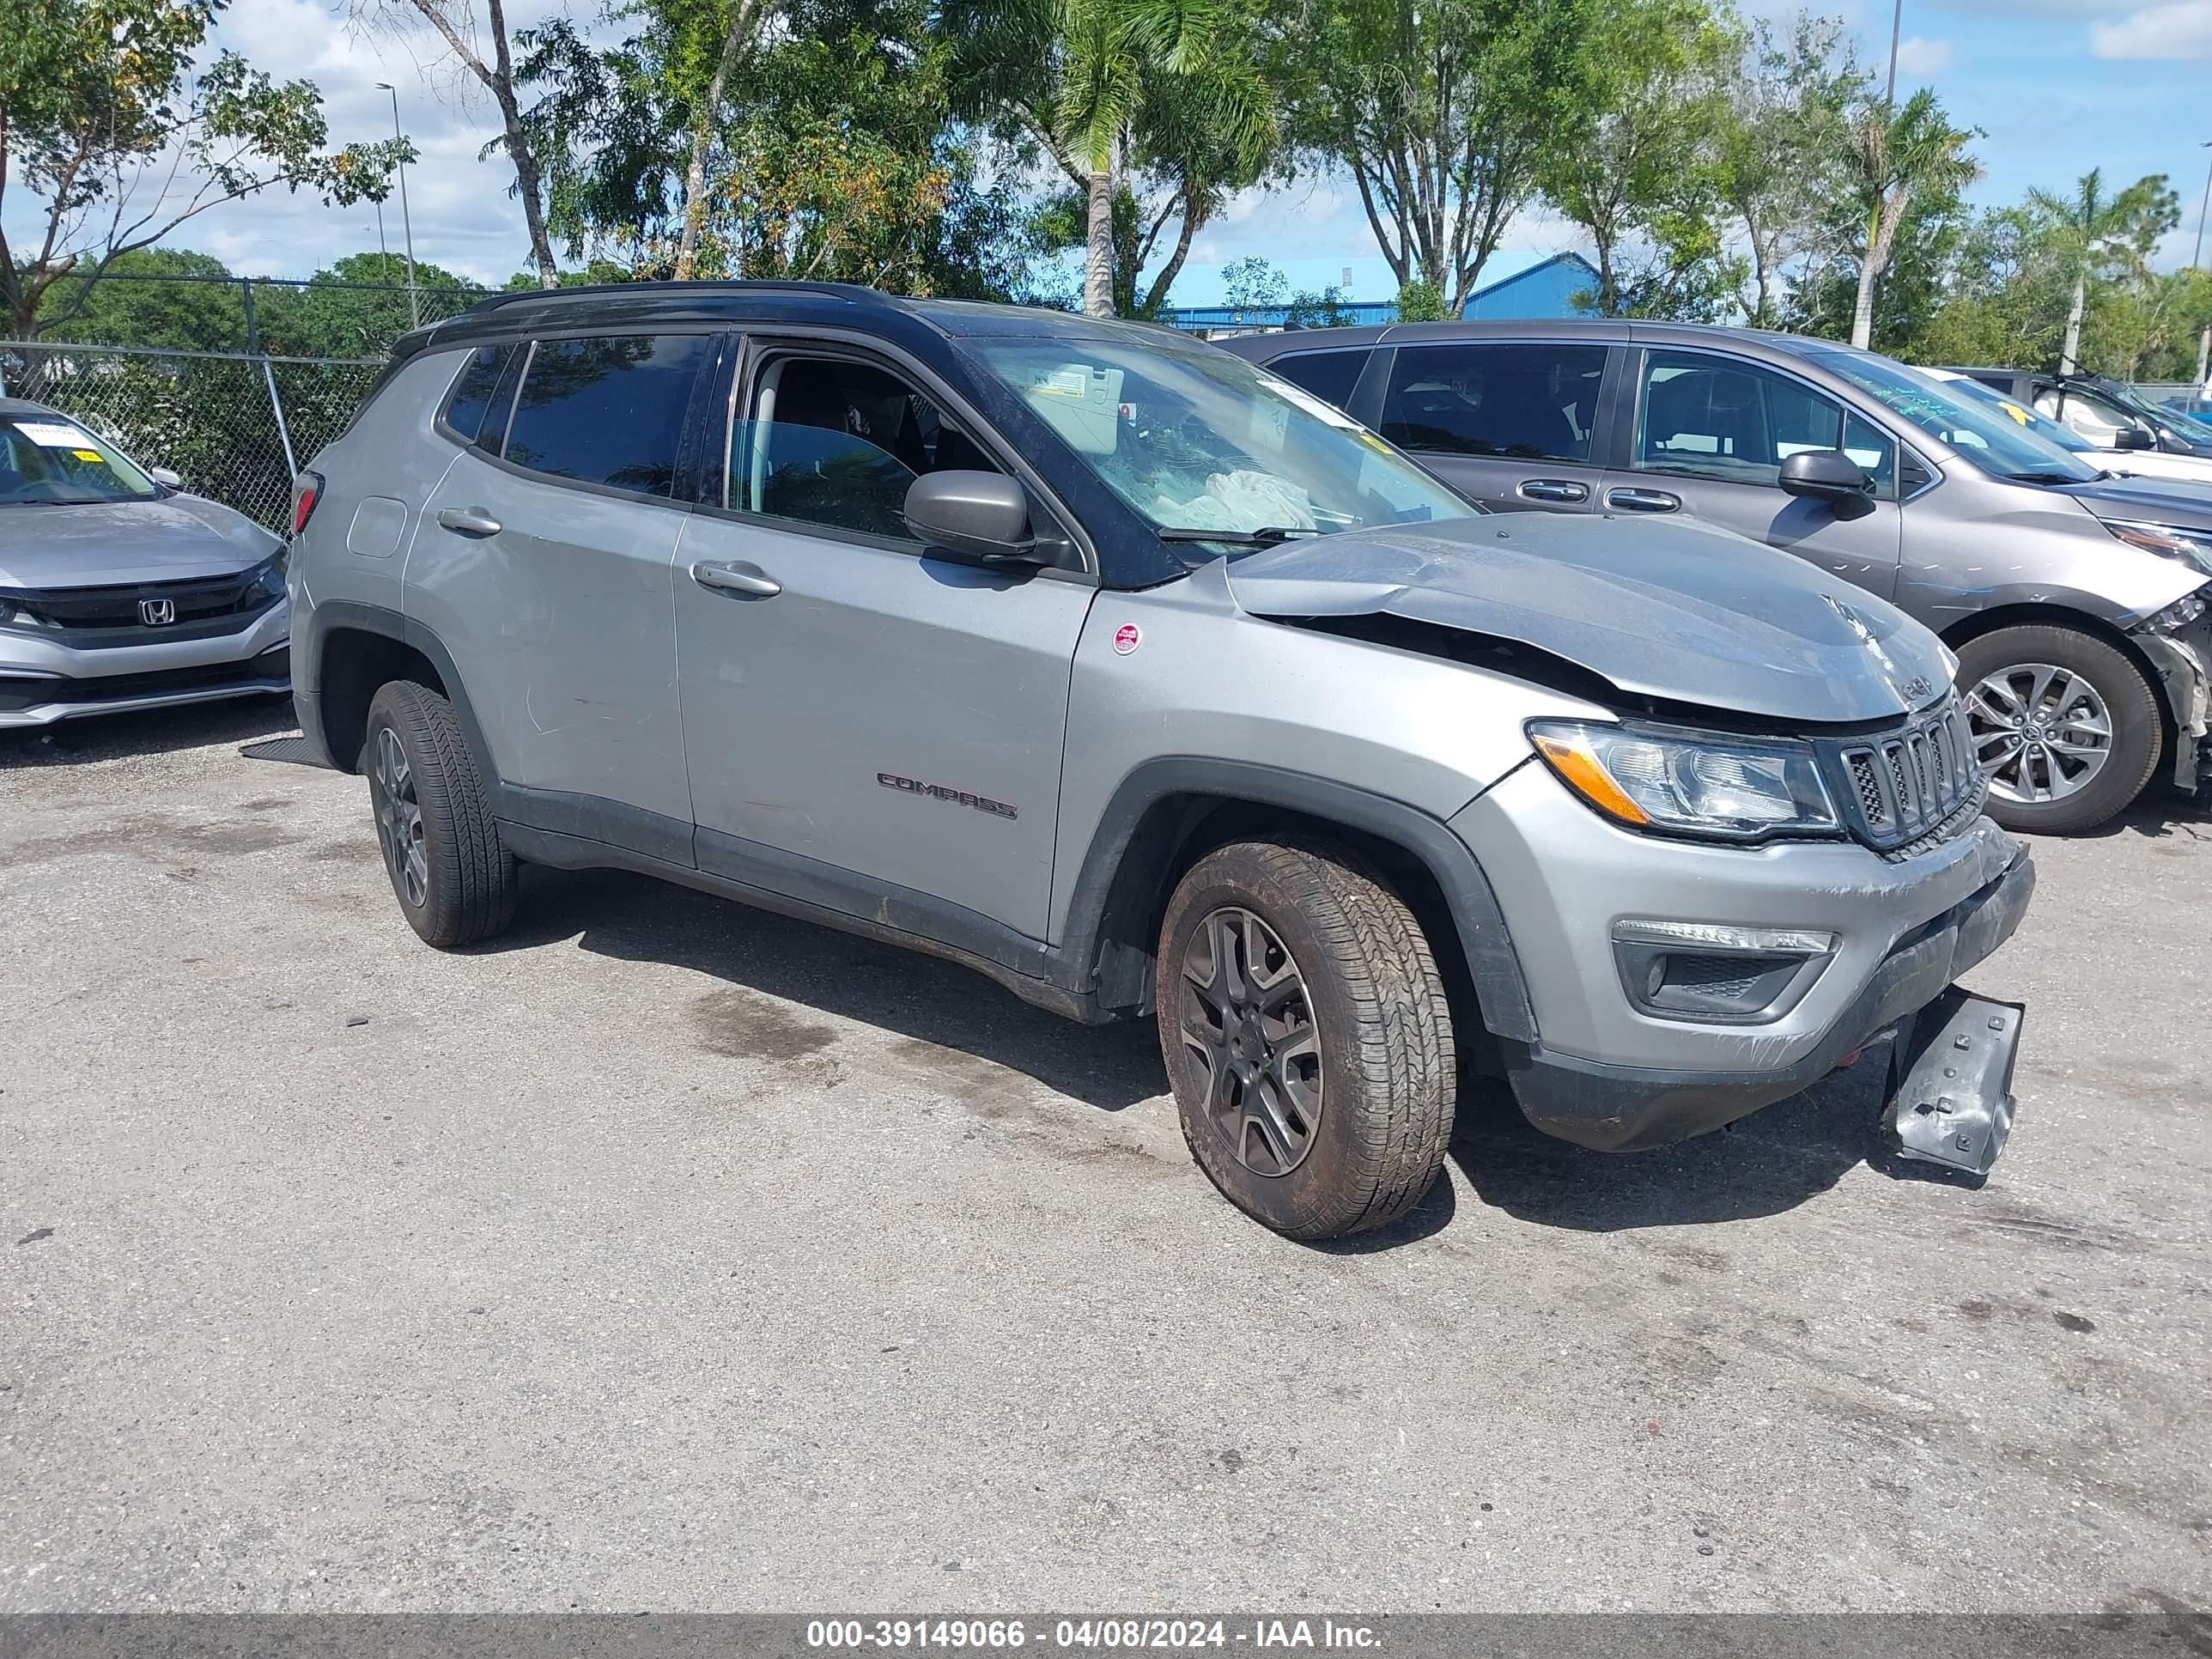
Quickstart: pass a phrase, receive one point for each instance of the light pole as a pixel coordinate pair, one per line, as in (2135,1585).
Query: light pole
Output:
(1896,28)
(2203,340)
(414,305)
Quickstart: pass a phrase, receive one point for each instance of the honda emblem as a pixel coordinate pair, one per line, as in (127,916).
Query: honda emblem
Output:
(157,613)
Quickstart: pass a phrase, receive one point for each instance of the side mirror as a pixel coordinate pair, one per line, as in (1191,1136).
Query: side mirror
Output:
(1830,475)
(2133,437)
(163,477)
(979,518)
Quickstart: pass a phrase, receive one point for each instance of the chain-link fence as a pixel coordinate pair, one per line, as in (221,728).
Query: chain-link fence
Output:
(234,426)
(231,382)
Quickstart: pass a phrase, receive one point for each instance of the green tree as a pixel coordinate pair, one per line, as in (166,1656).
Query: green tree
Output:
(1441,112)
(154,296)
(1419,303)
(2095,235)
(118,138)
(1641,172)
(1107,88)
(357,307)
(1900,154)
(1253,283)
(1783,147)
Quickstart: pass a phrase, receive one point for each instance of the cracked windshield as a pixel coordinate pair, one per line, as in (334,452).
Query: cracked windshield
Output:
(1205,443)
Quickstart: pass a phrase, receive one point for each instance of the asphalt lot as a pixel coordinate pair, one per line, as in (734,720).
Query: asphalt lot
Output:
(671,1255)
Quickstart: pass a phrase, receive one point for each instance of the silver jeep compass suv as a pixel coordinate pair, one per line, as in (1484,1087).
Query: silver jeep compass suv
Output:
(1145,683)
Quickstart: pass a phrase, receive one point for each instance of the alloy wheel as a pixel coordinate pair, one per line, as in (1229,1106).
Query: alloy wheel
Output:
(398,818)
(1246,1018)
(2041,732)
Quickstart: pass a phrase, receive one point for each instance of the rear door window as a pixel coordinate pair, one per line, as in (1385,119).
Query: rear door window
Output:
(1329,375)
(1514,401)
(609,409)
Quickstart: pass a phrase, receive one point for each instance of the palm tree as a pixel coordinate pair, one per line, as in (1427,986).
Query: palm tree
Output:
(1900,154)
(2092,229)
(1077,75)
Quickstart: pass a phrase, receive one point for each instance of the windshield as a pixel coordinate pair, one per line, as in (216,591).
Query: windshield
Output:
(1198,441)
(49,458)
(2186,428)
(1990,438)
(2035,420)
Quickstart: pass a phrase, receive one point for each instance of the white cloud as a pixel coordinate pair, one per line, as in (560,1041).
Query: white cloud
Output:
(1921,57)
(2179,30)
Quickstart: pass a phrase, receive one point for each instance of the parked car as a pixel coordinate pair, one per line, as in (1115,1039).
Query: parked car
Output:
(2108,413)
(2196,409)
(118,590)
(1092,659)
(2077,603)
(2134,462)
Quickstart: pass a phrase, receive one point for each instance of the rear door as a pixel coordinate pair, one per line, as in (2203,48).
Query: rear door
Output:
(1511,424)
(543,565)
(868,726)
(1709,435)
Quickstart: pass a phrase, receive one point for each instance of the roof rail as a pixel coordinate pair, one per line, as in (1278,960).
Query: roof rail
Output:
(852,291)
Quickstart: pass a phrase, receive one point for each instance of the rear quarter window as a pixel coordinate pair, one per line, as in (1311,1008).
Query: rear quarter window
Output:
(475,393)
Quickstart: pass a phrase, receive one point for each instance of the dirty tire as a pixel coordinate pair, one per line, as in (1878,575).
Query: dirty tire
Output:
(2137,738)
(1376,1004)
(464,878)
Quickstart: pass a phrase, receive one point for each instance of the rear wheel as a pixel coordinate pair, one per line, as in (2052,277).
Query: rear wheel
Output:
(1306,1032)
(454,880)
(2065,727)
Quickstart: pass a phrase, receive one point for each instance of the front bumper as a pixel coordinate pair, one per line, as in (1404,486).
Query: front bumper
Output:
(43,679)
(1605,1075)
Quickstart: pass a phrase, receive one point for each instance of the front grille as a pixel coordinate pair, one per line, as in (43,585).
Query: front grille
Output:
(83,609)
(1915,784)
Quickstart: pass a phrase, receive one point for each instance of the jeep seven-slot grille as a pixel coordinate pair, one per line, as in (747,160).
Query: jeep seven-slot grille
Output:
(1916,781)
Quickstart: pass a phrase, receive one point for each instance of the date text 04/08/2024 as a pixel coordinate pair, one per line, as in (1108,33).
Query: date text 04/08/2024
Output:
(1108,1634)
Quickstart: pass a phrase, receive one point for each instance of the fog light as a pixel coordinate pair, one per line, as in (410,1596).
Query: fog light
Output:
(1717,972)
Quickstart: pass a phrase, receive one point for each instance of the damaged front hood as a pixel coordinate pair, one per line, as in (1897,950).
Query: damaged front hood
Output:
(1668,609)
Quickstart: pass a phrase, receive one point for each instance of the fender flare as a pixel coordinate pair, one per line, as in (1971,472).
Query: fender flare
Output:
(331,615)
(1119,873)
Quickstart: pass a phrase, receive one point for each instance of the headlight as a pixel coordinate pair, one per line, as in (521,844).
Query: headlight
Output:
(269,579)
(2172,541)
(1694,783)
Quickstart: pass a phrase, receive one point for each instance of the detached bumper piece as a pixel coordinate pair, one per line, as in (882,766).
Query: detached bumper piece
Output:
(1950,1082)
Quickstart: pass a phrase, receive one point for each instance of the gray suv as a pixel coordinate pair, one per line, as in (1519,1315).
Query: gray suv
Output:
(2075,601)
(1145,683)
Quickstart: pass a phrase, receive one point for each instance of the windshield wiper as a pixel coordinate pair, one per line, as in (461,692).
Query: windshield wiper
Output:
(2045,477)
(1266,536)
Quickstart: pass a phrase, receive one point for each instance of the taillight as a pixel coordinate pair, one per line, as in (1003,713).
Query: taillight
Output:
(307,490)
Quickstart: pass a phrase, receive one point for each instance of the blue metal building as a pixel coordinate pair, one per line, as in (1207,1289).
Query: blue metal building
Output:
(1548,288)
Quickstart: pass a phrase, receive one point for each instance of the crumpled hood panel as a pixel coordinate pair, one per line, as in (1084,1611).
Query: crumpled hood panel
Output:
(1670,608)
(175,538)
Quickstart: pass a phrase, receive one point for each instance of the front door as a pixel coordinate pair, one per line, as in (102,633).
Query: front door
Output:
(861,717)
(1710,437)
(1509,424)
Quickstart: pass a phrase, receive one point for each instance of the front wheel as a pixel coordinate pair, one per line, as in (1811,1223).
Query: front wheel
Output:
(1307,1034)
(2065,727)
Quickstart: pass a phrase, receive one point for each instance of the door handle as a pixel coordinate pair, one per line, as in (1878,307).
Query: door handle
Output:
(749,579)
(1554,489)
(1643,501)
(468,522)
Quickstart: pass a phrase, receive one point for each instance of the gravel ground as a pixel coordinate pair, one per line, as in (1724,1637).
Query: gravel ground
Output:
(672,1256)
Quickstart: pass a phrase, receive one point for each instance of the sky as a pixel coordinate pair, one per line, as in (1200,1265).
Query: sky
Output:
(2056,87)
